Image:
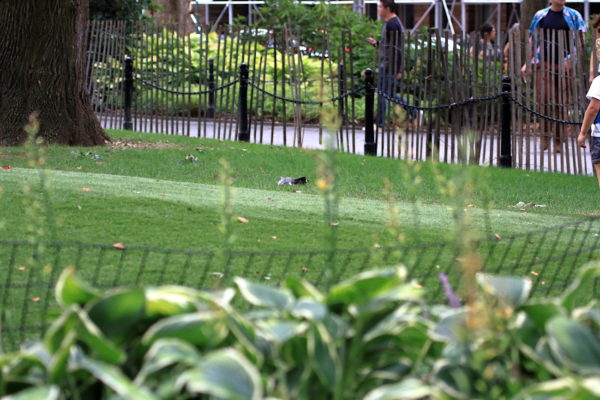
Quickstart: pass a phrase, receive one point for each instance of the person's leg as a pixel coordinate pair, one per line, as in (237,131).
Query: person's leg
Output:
(381,101)
(386,86)
(595,150)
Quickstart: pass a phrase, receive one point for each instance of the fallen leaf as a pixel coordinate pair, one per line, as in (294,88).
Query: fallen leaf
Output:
(35,299)
(534,273)
(119,246)
(273,237)
(22,268)
(86,189)
(498,236)
(78,168)
(304,269)
(243,220)
(6,168)
(417,286)
(78,207)
(335,223)
(218,275)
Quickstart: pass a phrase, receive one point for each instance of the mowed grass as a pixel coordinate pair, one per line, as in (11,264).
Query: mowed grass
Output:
(155,197)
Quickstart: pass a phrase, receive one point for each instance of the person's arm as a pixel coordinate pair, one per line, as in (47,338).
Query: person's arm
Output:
(592,73)
(590,115)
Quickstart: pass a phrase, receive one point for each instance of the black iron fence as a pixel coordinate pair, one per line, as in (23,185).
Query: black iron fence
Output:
(444,102)
(29,271)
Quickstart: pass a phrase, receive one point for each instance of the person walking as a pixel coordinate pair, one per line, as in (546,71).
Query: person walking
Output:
(486,46)
(591,119)
(549,32)
(390,55)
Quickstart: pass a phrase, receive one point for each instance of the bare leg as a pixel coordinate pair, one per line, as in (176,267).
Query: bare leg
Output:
(597,168)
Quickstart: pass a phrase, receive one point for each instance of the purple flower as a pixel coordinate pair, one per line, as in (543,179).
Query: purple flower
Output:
(453,299)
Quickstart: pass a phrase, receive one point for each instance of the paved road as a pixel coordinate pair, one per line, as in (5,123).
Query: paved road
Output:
(353,141)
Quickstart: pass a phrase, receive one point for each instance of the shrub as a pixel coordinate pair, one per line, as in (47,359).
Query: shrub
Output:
(369,337)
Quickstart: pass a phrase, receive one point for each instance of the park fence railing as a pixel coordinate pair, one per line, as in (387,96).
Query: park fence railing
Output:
(448,100)
(549,257)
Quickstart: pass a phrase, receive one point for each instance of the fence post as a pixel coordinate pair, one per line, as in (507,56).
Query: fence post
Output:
(341,90)
(128,93)
(243,131)
(370,145)
(505,116)
(211,88)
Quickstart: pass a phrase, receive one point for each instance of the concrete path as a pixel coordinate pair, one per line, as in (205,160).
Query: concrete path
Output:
(352,140)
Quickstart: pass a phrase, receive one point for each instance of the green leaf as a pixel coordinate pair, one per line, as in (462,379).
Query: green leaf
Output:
(38,393)
(57,368)
(72,290)
(310,310)
(203,329)
(455,380)
(587,275)
(451,328)
(407,389)
(540,312)
(574,344)
(263,295)
(245,335)
(165,352)
(101,347)
(279,331)
(117,313)
(511,290)
(224,374)
(566,388)
(59,329)
(301,288)
(112,377)
(366,286)
(323,355)
(166,301)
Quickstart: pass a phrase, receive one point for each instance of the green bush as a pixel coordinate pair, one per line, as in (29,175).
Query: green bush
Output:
(369,337)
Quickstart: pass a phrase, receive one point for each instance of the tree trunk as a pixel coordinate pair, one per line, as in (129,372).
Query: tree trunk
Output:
(42,62)
(176,13)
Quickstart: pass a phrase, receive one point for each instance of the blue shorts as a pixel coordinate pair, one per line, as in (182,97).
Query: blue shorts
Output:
(595,149)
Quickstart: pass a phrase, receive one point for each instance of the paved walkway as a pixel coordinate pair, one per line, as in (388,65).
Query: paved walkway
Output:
(353,141)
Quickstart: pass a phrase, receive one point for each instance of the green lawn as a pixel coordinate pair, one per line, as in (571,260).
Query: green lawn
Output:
(154,197)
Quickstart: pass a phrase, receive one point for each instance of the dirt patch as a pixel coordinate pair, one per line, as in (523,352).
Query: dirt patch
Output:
(126,144)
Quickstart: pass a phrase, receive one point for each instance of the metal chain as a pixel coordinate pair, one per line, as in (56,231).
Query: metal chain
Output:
(202,92)
(307,102)
(542,116)
(441,106)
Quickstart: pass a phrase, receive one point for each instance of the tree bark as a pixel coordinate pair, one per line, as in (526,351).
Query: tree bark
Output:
(42,62)
(175,13)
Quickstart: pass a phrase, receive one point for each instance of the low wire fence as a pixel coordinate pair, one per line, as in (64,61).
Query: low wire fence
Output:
(28,273)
